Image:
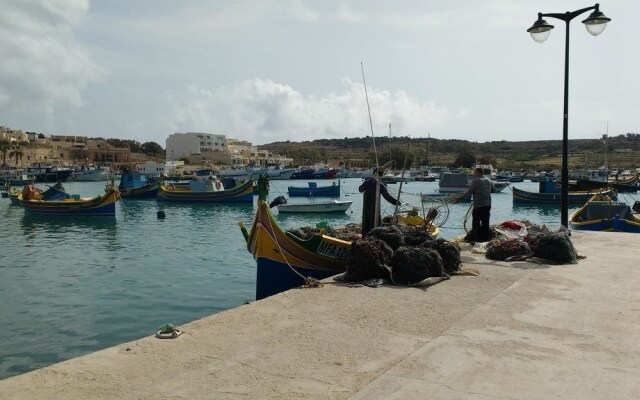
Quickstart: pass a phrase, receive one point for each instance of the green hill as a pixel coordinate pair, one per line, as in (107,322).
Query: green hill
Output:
(622,152)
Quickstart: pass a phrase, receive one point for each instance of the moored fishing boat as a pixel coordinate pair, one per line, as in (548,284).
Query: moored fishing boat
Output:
(91,174)
(48,173)
(459,182)
(206,192)
(134,185)
(550,193)
(334,206)
(602,213)
(313,190)
(104,205)
(284,260)
(280,173)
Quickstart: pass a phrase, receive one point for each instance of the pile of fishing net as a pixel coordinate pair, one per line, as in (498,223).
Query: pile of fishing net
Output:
(555,247)
(503,249)
(510,230)
(403,254)
(550,247)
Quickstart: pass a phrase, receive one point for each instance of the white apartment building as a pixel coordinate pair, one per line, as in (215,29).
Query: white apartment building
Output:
(180,144)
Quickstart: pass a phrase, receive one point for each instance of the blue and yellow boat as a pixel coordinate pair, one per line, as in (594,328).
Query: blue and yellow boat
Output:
(33,203)
(285,261)
(602,213)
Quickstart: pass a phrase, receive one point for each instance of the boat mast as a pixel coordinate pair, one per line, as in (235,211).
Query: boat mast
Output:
(375,152)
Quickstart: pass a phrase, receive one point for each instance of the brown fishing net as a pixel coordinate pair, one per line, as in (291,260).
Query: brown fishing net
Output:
(367,260)
(411,265)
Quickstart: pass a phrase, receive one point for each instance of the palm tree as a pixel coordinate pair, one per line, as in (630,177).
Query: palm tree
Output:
(5,146)
(16,151)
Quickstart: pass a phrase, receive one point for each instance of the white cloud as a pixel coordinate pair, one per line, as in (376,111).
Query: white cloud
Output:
(42,62)
(264,111)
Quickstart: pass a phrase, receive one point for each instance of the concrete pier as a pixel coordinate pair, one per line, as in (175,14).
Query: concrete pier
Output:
(517,331)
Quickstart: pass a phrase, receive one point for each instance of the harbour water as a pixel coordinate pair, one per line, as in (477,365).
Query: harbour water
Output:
(69,286)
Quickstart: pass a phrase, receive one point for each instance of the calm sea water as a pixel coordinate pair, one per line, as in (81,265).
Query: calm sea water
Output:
(69,287)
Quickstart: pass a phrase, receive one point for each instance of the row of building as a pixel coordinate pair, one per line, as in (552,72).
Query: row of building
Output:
(193,147)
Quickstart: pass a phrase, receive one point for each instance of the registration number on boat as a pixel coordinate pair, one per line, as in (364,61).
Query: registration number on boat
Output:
(333,250)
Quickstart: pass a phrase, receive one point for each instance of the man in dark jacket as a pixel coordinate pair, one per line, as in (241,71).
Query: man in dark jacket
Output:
(368,188)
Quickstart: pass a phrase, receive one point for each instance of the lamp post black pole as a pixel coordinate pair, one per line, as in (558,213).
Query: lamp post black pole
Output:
(541,26)
(564,208)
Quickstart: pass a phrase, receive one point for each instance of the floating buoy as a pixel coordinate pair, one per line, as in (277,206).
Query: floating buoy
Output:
(161,214)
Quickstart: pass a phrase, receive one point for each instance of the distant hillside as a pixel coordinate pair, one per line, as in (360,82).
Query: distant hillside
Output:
(622,151)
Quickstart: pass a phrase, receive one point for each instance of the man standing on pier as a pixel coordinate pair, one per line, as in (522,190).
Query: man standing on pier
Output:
(371,200)
(480,189)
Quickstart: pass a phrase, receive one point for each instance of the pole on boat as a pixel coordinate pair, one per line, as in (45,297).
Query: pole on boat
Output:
(404,168)
(377,171)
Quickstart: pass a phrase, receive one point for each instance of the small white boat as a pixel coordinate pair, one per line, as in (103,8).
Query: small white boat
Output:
(334,206)
(459,182)
(91,174)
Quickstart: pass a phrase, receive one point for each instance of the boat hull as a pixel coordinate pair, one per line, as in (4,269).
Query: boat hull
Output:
(327,207)
(601,213)
(311,191)
(149,191)
(524,196)
(239,194)
(98,206)
(279,254)
(275,277)
(619,225)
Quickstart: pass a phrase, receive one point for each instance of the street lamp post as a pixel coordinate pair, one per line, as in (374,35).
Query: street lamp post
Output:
(540,30)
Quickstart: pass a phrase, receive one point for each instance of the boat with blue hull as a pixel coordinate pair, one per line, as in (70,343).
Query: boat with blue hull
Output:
(604,214)
(550,193)
(206,192)
(313,190)
(134,185)
(285,261)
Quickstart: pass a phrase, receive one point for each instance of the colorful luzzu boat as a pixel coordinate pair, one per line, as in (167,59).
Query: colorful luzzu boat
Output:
(104,205)
(602,213)
(284,261)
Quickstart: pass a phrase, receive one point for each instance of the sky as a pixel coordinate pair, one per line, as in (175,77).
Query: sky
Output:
(277,70)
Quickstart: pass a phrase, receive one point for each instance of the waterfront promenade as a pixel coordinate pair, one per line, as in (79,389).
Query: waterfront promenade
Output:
(517,331)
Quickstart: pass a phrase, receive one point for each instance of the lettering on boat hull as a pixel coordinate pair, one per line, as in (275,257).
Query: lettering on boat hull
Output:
(333,250)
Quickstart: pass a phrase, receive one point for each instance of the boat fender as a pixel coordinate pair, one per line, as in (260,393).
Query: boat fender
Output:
(218,185)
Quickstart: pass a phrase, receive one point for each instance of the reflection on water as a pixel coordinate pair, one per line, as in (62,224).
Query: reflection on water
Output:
(47,231)
(552,210)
